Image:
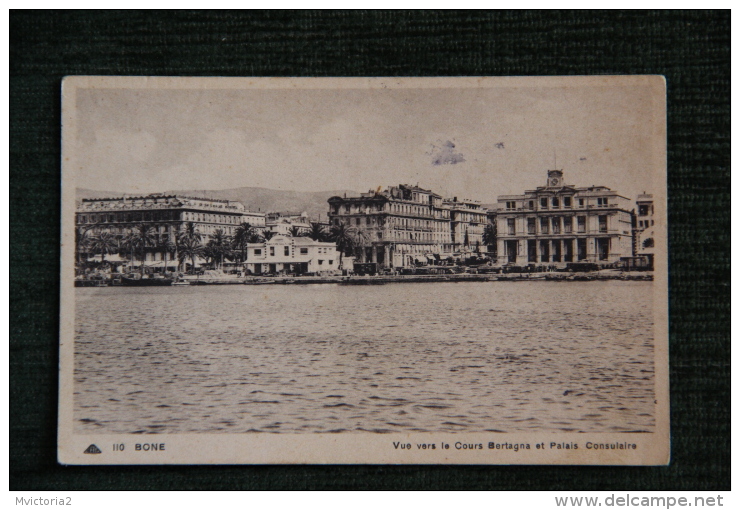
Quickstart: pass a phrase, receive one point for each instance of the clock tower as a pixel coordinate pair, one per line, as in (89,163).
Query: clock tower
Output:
(554,178)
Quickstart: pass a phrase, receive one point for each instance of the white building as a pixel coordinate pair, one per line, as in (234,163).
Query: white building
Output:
(292,255)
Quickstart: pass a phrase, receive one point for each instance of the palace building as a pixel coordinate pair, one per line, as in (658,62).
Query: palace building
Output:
(403,225)
(167,214)
(467,222)
(560,223)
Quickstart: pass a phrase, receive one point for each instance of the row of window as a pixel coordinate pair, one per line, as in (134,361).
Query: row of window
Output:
(286,251)
(554,203)
(553,224)
(392,208)
(155,216)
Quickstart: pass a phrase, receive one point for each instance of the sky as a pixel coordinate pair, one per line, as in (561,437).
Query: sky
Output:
(475,143)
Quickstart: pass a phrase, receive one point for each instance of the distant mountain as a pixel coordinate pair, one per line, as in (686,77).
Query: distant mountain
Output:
(254,199)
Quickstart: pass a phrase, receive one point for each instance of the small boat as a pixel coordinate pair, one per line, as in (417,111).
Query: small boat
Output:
(181,282)
(145,282)
(91,283)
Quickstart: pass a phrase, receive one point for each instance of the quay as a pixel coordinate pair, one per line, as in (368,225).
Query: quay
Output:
(386,279)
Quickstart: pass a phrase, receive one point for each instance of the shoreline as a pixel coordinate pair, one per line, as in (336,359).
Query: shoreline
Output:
(386,279)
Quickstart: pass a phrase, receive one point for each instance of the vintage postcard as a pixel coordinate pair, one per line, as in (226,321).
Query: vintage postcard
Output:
(364,270)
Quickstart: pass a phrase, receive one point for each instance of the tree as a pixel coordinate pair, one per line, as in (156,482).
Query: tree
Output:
(360,240)
(143,238)
(190,239)
(189,248)
(128,245)
(489,235)
(296,231)
(167,247)
(317,232)
(268,234)
(242,237)
(82,242)
(104,243)
(343,237)
(219,246)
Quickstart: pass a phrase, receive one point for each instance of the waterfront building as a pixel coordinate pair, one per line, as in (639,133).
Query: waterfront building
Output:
(167,215)
(560,223)
(401,226)
(645,228)
(285,223)
(292,255)
(467,222)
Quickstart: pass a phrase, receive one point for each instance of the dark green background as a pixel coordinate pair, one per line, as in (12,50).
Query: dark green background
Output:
(692,49)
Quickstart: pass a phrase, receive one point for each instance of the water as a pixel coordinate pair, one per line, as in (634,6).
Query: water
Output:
(453,357)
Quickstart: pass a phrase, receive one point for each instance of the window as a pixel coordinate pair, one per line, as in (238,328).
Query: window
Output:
(510,206)
(357,221)
(555,202)
(556,225)
(566,202)
(544,225)
(602,223)
(568,225)
(331,262)
(531,226)
(602,202)
(272,251)
(257,251)
(321,262)
(510,226)
(543,203)
(580,202)
(367,220)
(304,251)
(286,250)
(346,209)
(581,224)
(531,205)
(83,219)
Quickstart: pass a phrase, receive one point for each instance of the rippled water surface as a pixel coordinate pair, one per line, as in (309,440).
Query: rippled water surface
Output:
(468,357)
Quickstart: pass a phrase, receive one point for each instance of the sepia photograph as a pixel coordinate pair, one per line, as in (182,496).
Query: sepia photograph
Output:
(364,270)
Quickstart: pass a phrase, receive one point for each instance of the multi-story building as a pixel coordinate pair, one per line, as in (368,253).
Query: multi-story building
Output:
(292,255)
(645,228)
(467,222)
(286,223)
(167,214)
(560,223)
(401,226)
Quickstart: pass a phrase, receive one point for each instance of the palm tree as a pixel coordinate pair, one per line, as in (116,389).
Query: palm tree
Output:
(296,231)
(220,243)
(242,237)
(167,247)
(128,245)
(105,243)
(342,236)
(190,238)
(360,240)
(82,242)
(143,238)
(317,232)
(268,234)
(189,248)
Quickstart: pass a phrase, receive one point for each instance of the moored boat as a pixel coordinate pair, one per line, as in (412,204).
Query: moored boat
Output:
(145,282)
